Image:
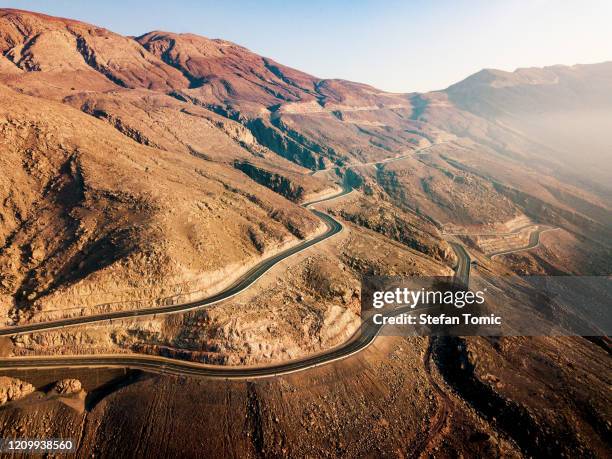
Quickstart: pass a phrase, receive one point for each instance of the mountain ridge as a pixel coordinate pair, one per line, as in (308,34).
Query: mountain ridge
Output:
(155,171)
(240,120)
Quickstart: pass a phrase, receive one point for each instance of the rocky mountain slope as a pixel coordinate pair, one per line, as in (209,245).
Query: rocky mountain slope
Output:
(139,169)
(91,217)
(181,157)
(561,109)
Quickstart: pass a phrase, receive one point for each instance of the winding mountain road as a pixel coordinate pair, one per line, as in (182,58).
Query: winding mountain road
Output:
(378,163)
(361,339)
(534,241)
(534,238)
(462,270)
(241,284)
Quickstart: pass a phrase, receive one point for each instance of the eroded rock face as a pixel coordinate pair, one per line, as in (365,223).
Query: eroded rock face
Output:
(68,386)
(13,389)
(275,182)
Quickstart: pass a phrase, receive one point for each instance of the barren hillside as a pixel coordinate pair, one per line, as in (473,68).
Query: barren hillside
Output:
(141,172)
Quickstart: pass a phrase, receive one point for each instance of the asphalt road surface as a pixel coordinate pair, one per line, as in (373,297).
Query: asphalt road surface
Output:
(462,271)
(534,241)
(244,282)
(360,340)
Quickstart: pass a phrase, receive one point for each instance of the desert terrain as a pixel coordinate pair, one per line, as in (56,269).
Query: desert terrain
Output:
(183,199)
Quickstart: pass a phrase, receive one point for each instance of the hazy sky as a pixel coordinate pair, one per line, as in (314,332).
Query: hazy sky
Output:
(394,45)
